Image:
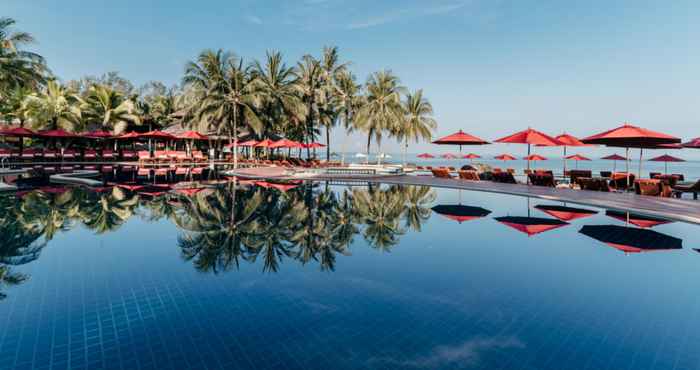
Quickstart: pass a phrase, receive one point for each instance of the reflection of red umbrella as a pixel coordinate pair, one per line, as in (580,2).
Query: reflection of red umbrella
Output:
(631,240)
(130,187)
(313,145)
(628,136)
(637,220)
(189,192)
(264,144)
(666,158)
(461,213)
(563,213)
(449,156)
(530,137)
(156,134)
(694,144)
(531,225)
(18,132)
(192,135)
(285,143)
(614,158)
(460,138)
(426,155)
(279,186)
(248,143)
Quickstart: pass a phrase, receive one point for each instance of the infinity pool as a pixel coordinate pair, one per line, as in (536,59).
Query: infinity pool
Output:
(314,276)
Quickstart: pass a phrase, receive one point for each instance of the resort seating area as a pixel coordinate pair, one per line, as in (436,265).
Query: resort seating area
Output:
(94,155)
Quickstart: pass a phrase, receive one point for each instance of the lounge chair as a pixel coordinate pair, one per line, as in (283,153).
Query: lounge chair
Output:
(451,168)
(655,188)
(442,173)
(198,156)
(69,154)
(90,155)
(129,155)
(606,174)
(510,171)
(652,175)
(161,156)
(108,154)
(670,180)
(50,154)
(575,174)
(503,177)
(144,157)
(542,179)
(622,180)
(593,184)
(679,176)
(5,153)
(30,154)
(690,187)
(469,175)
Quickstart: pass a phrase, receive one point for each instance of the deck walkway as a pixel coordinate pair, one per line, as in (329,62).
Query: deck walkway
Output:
(670,208)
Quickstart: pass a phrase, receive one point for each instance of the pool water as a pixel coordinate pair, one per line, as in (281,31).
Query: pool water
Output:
(332,277)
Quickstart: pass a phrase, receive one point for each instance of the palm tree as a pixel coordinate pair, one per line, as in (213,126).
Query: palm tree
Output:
(380,211)
(18,68)
(309,73)
(229,94)
(382,110)
(418,200)
(10,278)
(53,108)
(110,109)
(12,108)
(280,91)
(107,212)
(349,100)
(418,123)
(331,70)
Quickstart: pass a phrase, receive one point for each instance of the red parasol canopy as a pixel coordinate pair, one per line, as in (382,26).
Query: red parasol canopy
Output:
(192,135)
(530,137)
(535,157)
(286,143)
(248,143)
(426,155)
(505,157)
(628,136)
(98,134)
(614,157)
(264,144)
(449,156)
(563,213)
(313,145)
(569,140)
(471,156)
(18,132)
(531,225)
(189,191)
(461,213)
(637,220)
(460,138)
(631,240)
(59,133)
(694,144)
(279,186)
(128,135)
(578,157)
(156,134)
(666,158)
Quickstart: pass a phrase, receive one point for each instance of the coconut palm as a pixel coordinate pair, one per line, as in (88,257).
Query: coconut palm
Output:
(382,110)
(18,68)
(380,211)
(418,200)
(52,108)
(309,73)
(418,123)
(331,71)
(349,100)
(12,106)
(110,109)
(230,96)
(107,212)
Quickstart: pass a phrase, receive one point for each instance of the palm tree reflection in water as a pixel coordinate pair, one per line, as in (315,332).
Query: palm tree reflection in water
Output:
(221,227)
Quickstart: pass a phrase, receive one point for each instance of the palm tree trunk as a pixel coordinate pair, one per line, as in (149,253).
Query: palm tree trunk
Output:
(234,147)
(369,142)
(328,143)
(405,151)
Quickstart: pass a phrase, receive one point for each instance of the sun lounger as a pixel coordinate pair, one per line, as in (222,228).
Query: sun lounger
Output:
(50,154)
(622,180)
(29,154)
(144,157)
(606,174)
(652,175)
(469,175)
(690,187)
(679,176)
(442,173)
(143,171)
(542,179)
(161,156)
(575,174)
(129,155)
(198,156)
(503,177)
(69,154)
(510,171)
(652,187)
(593,184)
(90,155)
(108,154)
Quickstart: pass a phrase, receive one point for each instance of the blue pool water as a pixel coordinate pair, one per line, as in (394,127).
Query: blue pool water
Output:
(330,277)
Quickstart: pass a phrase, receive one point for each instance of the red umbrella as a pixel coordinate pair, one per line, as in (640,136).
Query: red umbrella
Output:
(530,137)
(426,155)
(535,157)
(156,134)
(563,213)
(471,156)
(637,220)
(98,134)
(531,225)
(128,135)
(461,213)
(615,158)
(567,141)
(630,239)
(286,143)
(628,136)
(666,158)
(505,157)
(264,144)
(58,133)
(313,145)
(248,143)
(460,138)
(575,157)
(694,144)
(449,156)
(192,135)
(18,132)
(279,186)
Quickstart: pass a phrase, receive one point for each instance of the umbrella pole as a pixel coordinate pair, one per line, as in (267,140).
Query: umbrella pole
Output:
(528,164)
(627,165)
(665,167)
(564,173)
(639,174)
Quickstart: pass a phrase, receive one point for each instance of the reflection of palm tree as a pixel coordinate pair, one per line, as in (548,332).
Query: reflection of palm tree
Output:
(9,278)
(49,213)
(379,210)
(217,228)
(417,209)
(108,211)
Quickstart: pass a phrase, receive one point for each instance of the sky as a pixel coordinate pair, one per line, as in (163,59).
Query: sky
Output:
(489,67)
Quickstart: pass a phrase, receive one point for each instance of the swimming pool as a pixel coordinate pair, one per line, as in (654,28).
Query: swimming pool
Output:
(315,276)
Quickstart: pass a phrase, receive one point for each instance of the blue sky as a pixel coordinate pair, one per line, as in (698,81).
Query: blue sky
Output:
(490,67)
